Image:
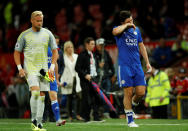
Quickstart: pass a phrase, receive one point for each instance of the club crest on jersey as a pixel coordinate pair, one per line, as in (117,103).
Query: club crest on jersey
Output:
(44,40)
(135,32)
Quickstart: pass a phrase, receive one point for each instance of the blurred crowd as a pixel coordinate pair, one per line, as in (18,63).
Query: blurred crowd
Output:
(75,20)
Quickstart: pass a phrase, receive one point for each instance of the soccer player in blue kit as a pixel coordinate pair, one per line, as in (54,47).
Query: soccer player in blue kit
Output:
(53,92)
(130,73)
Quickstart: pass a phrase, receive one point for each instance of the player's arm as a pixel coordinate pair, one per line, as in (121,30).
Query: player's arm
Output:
(17,57)
(56,74)
(17,60)
(54,60)
(53,46)
(119,29)
(56,70)
(17,53)
(54,56)
(145,56)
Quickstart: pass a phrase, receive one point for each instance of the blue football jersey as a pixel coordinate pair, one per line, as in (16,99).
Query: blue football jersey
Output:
(128,47)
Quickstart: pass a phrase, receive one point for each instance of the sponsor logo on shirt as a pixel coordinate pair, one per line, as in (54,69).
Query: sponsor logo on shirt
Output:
(131,42)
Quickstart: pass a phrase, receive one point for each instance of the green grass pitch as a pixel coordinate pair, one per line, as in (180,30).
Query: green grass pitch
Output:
(108,125)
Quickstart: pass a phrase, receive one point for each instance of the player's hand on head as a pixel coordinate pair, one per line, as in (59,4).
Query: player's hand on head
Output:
(22,73)
(131,25)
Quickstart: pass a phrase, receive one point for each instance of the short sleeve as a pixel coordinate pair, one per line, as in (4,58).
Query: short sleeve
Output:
(52,41)
(20,43)
(139,36)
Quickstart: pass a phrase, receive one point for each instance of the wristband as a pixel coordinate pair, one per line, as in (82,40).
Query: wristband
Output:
(19,67)
(52,67)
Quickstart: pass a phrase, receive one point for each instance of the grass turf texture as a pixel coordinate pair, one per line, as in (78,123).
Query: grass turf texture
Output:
(108,125)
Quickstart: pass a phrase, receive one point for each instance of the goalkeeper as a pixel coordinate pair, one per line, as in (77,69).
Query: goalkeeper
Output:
(34,43)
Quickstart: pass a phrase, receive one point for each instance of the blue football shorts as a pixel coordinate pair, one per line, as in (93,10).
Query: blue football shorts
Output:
(53,86)
(131,76)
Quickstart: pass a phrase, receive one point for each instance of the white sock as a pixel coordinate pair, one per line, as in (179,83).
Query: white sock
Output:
(33,103)
(129,115)
(126,111)
(40,109)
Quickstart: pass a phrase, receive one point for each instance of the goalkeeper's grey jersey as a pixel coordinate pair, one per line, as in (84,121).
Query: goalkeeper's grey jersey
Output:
(35,48)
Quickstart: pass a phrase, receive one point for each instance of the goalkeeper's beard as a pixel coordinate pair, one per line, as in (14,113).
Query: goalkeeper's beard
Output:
(38,28)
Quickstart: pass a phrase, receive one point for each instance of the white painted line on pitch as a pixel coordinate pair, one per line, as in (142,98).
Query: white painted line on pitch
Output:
(100,124)
(122,124)
(162,124)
